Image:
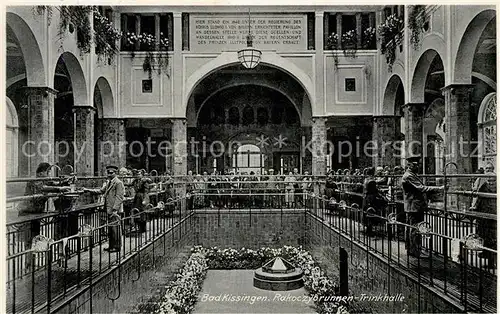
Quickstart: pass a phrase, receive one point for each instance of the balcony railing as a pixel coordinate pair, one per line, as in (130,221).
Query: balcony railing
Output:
(453,263)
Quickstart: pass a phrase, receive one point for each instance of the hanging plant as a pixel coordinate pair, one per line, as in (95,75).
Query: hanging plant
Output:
(105,38)
(416,23)
(41,9)
(332,43)
(391,36)
(79,16)
(156,56)
(350,44)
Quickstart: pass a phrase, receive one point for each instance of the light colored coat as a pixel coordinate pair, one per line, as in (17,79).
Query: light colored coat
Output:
(113,193)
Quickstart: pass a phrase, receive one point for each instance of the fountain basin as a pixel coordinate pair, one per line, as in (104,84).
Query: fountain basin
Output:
(278,275)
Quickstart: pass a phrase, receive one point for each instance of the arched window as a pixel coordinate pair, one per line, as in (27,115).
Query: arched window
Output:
(248,117)
(440,147)
(248,158)
(262,116)
(234,116)
(11,139)
(277,114)
(488,129)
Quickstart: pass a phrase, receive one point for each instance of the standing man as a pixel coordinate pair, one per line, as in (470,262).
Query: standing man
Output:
(415,203)
(113,191)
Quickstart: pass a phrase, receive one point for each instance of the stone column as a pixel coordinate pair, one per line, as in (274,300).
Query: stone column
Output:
(84,140)
(318,146)
(179,152)
(457,140)
(429,162)
(414,113)
(113,146)
(457,120)
(179,146)
(41,147)
(385,134)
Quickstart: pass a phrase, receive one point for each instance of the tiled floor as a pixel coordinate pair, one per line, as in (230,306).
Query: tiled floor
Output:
(232,291)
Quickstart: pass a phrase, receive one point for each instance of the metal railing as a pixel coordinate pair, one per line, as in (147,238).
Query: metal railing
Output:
(66,250)
(458,263)
(459,245)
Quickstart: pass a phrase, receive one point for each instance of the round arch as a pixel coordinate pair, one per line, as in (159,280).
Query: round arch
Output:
(468,44)
(392,86)
(11,139)
(488,100)
(228,58)
(106,107)
(77,77)
(433,116)
(253,83)
(35,69)
(418,81)
(487,129)
(12,120)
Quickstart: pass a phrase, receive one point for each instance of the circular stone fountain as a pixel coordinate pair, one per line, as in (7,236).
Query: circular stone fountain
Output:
(278,275)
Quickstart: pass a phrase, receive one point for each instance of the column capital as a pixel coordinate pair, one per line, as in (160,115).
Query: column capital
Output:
(319,14)
(319,119)
(87,108)
(177,15)
(32,90)
(173,120)
(415,107)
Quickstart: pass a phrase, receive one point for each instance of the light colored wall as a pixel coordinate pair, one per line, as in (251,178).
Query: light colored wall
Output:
(135,103)
(448,24)
(338,101)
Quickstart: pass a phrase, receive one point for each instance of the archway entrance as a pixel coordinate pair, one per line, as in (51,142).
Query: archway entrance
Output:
(434,118)
(248,120)
(104,106)
(25,68)
(394,100)
(69,81)
(248,158)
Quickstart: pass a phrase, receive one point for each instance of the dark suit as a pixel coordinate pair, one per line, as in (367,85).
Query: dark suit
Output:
(415,203)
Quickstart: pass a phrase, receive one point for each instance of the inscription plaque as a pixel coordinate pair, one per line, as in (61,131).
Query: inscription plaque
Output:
(219,32)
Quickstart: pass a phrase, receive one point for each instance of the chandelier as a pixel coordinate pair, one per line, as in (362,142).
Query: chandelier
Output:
(249,57)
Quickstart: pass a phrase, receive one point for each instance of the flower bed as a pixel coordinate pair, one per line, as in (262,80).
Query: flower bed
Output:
(181,295)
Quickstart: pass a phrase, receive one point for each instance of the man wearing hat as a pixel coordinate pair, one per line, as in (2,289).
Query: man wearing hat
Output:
(113,191)
(415,204)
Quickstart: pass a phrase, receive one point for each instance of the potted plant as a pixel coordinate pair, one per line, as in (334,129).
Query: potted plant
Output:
(350,43)
(332,43)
